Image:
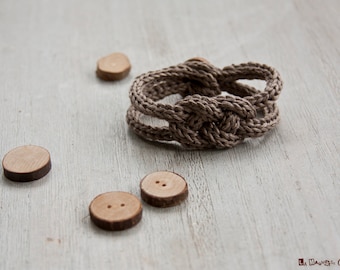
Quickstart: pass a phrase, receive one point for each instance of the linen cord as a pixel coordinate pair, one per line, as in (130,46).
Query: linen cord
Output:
(216,110)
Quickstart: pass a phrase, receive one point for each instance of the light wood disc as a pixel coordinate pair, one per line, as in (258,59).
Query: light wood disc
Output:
(163,189)
(26,163)
(115,211)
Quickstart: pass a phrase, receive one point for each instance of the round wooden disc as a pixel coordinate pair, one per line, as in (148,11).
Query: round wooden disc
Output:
(115,66)
(115,211)
(201,59)
(26,163)
(163,189)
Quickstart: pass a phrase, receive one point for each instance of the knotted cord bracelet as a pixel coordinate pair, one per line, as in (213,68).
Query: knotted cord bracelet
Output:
(216,111)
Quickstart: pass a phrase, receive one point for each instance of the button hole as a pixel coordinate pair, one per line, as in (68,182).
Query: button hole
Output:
(122,204)
(163,185)
(109,206)
(157,182)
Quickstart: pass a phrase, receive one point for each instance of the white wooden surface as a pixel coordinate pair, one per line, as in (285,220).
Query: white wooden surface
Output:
(261,205)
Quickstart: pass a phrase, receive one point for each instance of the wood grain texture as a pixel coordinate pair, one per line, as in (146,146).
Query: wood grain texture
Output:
(115,210)
(163,189)
(261,205)
(26,163)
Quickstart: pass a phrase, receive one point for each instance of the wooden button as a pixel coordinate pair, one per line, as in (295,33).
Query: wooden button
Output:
(26,163)
(115,211)
(113,67)
(201,59)
(163,189)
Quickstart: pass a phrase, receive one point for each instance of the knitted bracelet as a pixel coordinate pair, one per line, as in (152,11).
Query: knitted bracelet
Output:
(216,111)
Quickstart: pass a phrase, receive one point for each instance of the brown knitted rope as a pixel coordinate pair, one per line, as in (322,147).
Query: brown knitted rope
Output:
(216,111)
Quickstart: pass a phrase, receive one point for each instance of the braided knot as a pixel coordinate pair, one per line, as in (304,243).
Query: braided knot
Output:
(207,120)
(205,117)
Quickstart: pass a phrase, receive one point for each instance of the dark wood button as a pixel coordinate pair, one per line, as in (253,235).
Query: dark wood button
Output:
(115,66)
(163,189)
(26,163)
(115,211)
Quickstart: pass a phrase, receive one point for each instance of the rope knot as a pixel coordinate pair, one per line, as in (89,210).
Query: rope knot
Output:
(205,117)
(201,78)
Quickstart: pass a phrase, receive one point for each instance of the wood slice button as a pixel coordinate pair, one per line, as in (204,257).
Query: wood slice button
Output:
(115,211)
(163,189)
(200,59)
(115,66)
(26,163)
